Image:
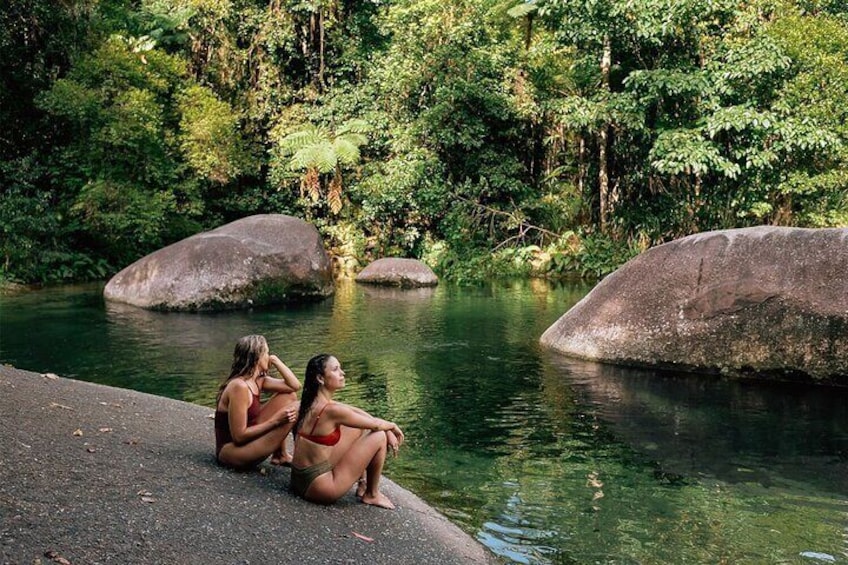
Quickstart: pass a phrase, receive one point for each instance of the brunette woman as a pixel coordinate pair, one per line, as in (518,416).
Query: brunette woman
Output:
(246,430)
(337,444)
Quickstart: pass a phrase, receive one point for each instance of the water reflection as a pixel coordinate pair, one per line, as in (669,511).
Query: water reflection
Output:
(735,431)
(544,459)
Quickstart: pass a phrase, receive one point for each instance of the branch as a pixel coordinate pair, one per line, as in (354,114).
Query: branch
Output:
(523,226)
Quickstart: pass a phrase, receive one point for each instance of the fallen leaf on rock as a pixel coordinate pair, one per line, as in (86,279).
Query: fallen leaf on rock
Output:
(91,449)
(54,556)
(78,432)
(105,430)
(146,496)
(51,376)
(363,538)
(57,405)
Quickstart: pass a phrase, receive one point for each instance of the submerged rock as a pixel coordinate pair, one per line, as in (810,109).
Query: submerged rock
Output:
(258,260)
(768,301)
(390,271)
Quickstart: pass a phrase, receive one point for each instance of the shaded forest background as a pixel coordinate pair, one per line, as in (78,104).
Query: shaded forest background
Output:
(486,137)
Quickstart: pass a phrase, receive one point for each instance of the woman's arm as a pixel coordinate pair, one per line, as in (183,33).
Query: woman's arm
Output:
(355,418)
(240,398)
(288,383)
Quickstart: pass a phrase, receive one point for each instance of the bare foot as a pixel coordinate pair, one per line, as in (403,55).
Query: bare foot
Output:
(361,485)
(283,459)
(380,500)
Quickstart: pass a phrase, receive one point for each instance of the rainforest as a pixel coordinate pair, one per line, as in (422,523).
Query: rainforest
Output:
(544,138)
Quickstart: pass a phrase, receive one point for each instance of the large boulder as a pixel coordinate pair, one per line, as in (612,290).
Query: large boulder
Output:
(764,301)
(258,260)
(391,271)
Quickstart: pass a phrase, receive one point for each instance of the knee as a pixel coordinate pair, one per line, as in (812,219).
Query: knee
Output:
(284,398)
(378,440)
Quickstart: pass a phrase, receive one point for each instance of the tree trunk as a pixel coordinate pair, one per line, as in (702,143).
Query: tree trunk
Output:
(581,164)
(321,51)
(606,203)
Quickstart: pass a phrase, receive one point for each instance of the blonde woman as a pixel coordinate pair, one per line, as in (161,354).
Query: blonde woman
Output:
(246,430)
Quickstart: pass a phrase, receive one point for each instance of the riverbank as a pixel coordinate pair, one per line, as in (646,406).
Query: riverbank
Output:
(95,474)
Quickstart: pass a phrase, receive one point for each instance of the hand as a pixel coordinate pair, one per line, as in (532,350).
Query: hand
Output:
(393,442)
(288,414)
(397,433)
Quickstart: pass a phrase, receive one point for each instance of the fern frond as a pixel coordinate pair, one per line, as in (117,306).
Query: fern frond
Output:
(311,184)
(321,157)
(355,125)
(334,194)
(298,140)
(346,151)
(523,9)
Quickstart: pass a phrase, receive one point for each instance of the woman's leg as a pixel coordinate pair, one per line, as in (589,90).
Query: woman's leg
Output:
(349,437)
(366,454)
(260,448)
(281,455)
(256,451)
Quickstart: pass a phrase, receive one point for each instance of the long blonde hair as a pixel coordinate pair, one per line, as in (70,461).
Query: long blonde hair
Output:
(246,356)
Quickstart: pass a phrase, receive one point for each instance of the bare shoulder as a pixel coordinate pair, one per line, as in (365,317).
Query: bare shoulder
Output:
(336,409)
(235,386)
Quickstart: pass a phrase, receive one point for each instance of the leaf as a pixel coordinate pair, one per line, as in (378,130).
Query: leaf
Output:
(54,556)
(334,196)
(104,430)
(146,496)
(523,9)
(310,135)
(346,150)
(78,432)
(354,126)
(51,376)
(62,406)
(363,538)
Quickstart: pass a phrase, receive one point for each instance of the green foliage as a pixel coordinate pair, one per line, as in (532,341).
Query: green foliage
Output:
(210,137)
(315,151)
(478,134)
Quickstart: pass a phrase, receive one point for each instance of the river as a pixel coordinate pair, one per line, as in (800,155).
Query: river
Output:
(541,458)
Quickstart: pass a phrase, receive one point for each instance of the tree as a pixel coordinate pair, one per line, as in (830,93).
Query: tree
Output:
(317,151)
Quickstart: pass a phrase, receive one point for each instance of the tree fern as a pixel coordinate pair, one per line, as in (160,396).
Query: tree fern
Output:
(316,151)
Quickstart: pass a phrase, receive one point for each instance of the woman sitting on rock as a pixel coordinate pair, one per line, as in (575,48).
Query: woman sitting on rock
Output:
(247,431)
(336,444)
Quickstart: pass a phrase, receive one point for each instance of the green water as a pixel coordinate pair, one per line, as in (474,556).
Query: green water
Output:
(543,459)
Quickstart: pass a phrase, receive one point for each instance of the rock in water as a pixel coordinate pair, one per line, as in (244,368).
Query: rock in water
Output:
(390,271)
(258,260)
(765,301)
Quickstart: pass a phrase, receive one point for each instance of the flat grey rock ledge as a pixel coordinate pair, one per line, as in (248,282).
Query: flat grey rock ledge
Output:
(95,474)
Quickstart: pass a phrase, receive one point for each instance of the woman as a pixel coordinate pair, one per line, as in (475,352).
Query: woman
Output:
(247,431)
(336,444)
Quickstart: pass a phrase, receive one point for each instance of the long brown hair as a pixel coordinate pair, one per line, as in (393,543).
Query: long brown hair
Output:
(314,369)
(246,355)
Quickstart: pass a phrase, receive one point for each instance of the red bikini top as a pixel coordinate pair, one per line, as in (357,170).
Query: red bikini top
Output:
(331,438)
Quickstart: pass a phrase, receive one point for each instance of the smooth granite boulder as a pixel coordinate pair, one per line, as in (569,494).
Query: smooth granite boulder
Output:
(765,301)
(390,271)
(258,260)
